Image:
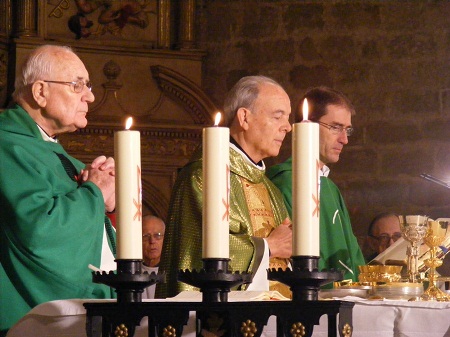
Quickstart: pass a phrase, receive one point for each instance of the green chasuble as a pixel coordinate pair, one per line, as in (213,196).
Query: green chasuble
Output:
(338,244)
(51,228)
(182,247)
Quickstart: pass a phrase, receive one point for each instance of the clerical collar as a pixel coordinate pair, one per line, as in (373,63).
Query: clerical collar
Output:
(260,165)
(45,135)
(324,171)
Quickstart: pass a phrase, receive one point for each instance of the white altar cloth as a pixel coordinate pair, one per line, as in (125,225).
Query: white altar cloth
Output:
(370,319)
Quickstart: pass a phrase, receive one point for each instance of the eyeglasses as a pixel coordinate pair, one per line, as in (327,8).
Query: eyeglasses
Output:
(337,129)
(155,236)
(77,86)
(386,238)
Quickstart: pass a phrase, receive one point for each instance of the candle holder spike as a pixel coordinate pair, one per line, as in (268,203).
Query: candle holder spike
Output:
(129,281)
(215,280)
(305,279)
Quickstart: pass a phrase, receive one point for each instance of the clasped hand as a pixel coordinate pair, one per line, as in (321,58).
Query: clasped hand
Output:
(280,240)
(101,172)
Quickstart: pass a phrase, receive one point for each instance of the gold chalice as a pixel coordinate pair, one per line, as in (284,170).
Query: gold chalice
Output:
(414,228)
(436,232)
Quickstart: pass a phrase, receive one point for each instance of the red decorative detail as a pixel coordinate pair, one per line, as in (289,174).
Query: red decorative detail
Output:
(226,202)
(315,197)
(138,202)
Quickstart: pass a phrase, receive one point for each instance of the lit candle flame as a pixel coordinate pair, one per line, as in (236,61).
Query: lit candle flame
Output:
(218,118)
(305,109)
(128,123)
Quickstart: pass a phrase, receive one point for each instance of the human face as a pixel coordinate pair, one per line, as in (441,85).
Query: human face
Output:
(63,109)
(331,145)
(152,242)
(267,123)
(387,226)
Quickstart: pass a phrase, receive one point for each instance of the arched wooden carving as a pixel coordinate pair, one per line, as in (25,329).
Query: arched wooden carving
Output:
(186,93)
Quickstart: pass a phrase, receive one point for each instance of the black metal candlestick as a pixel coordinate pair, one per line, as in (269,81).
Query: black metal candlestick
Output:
(304,279)
(214,279)
(129,281)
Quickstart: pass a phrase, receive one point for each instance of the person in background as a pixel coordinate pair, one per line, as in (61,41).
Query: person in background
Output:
(153,229)
(339,248)
(383,231)
(257,112)
(52,218)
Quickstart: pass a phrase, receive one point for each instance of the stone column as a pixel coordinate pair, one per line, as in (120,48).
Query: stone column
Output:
(5,17)
(164,32)
(26,18)
(187,26)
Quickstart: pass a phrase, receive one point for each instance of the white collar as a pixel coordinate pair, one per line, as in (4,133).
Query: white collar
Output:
(324,171)
(45,136)
(247,159)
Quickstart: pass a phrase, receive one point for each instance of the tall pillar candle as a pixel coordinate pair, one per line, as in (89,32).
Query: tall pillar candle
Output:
(216,191)
(305,191)
(127,153)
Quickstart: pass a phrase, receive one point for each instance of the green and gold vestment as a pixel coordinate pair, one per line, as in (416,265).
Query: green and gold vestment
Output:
(249,188)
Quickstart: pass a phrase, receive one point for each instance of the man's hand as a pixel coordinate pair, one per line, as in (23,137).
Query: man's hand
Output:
(101,172)
(280,240)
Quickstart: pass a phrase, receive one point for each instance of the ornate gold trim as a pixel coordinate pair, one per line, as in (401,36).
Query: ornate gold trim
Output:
(346,330)
(169,331)
(298,330)
(248,328)
(121,331)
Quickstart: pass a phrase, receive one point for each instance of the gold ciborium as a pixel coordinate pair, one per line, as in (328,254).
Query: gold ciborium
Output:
(435,235)
(379,273)
(414,228)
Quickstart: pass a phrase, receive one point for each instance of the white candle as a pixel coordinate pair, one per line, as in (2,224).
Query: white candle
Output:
(305,183)
(127,153)
(216,191)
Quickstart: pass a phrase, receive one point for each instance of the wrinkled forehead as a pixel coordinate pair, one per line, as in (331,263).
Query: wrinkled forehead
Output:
(70,67)
(152,226)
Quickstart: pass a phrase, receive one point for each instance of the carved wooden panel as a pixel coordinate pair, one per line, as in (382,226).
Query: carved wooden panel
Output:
(141,58)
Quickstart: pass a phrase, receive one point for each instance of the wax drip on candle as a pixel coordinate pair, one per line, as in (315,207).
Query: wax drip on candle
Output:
(217,119)
(128,123)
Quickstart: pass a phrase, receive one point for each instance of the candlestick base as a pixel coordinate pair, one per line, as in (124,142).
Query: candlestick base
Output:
(129,281)
(304,279)
(214,279)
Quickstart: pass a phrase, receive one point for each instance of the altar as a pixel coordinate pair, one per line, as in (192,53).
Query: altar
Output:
(371,318)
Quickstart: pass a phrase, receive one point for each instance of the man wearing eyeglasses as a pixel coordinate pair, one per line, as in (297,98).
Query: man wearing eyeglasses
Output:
(52,214)
(153,229)
(383,231)
(339,248)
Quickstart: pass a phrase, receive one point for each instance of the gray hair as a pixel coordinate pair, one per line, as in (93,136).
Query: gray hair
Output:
(37,66)
(243,95)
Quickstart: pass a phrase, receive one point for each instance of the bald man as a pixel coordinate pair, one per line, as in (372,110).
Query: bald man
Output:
(153,229)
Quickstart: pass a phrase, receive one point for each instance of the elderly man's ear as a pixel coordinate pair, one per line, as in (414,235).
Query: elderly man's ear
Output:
(242,116)
(39,91)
